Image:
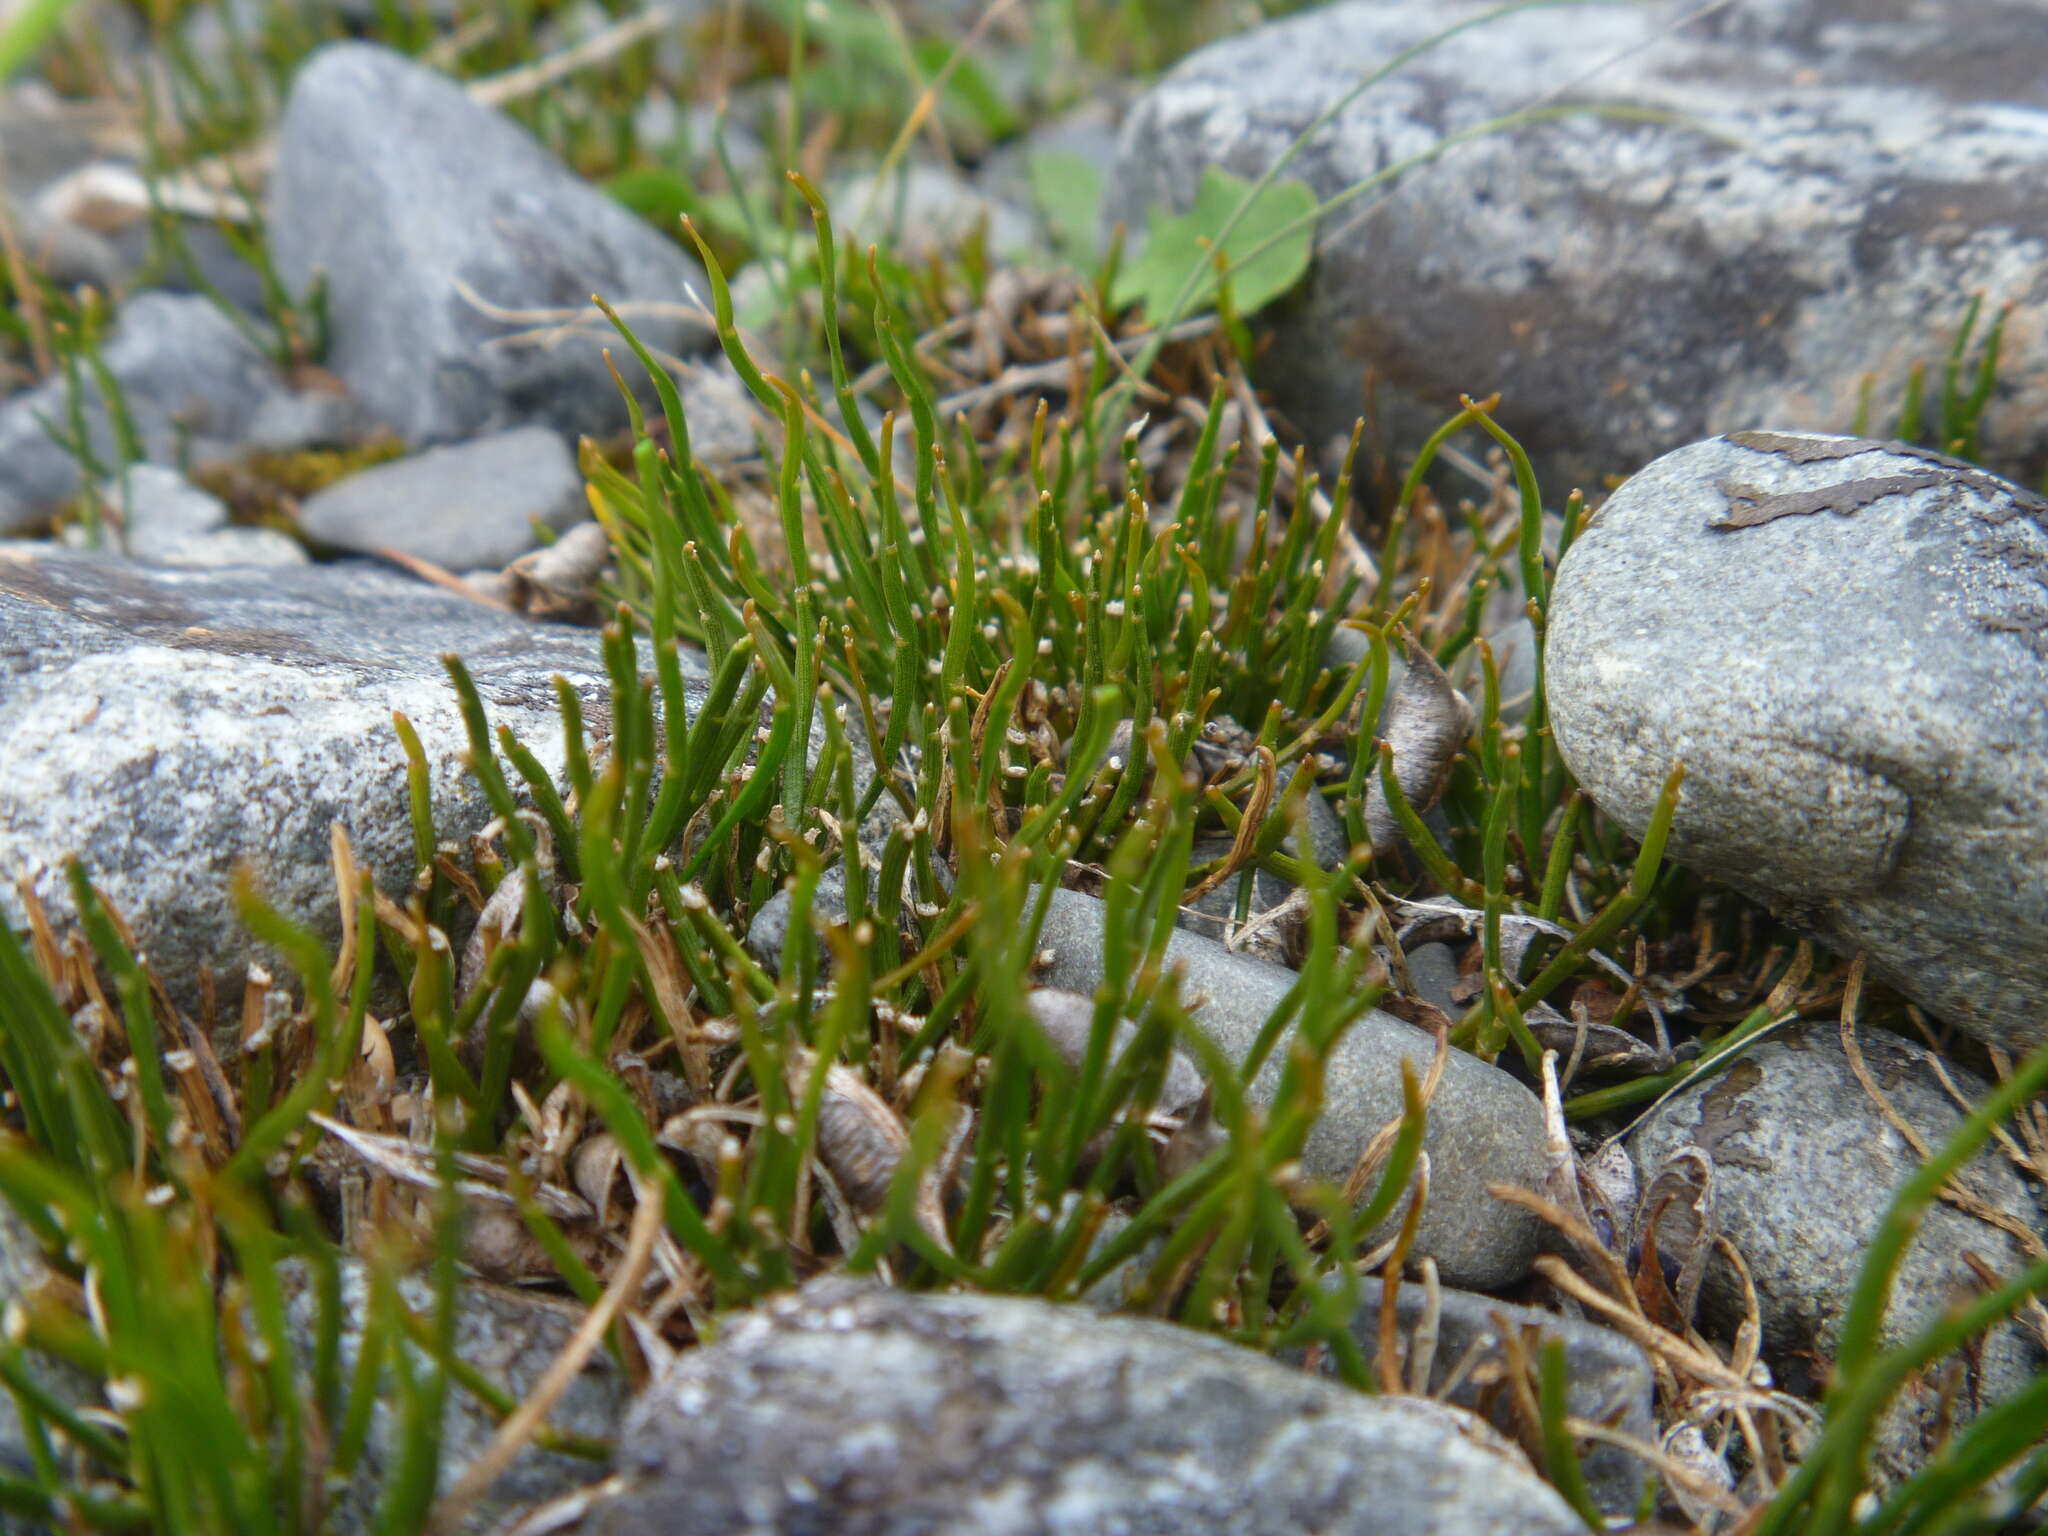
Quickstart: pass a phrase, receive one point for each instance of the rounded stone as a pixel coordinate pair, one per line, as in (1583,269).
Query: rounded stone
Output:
(1845,642)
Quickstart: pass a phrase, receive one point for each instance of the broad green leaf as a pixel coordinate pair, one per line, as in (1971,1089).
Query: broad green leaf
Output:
(1180,245)
(1068,190)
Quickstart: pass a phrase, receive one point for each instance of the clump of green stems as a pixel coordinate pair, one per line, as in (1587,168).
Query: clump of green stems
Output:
(868,656)
(885,655)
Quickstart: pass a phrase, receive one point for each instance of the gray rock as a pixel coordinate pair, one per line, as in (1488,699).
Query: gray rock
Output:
(1432,972)
(721,414)
(511,1337)
(50,136)
(1609,1377)
(1089,133)
(170,521)
(310,418)
(404,192)
(465,506)
(1825,188)
(863,1411)
(191,383)
(1855,682)
(167,726)
(1805,1166)
(70,254)
(1484,1127)
(1214,912)
(1068,1020)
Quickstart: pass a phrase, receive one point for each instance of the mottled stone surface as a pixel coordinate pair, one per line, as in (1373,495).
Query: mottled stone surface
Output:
(1484,1127)
(404,193)
(864,1411)
(462,507)
(1847,646)
(1805,1166)
(511,1338)
(1609,1379)
(168,726)
(1821,190)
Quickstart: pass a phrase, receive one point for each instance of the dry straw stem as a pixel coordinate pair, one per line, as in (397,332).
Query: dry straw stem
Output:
(517,1430)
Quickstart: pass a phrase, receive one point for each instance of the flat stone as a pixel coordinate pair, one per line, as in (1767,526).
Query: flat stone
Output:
(865,1411)
(167,726)
(1484,1127)
(1804,1168)
(431,216)
(461,507)
(1823,190)
(511,1337)
(1847,646)
(191,383)
(1608,1378)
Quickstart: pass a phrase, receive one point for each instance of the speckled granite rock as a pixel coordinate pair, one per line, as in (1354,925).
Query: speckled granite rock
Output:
(1805,1166)
(1847,645)
(167,726)
(1827,187)
(850,1408)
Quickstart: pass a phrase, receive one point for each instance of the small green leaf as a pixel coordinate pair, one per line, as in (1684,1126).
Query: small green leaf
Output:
(1068,190)
(1177,246)
(659,196)
(970,89)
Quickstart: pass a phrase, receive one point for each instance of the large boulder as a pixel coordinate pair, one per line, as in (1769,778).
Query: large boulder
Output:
(1846,644)
(450,243)
(1818,193)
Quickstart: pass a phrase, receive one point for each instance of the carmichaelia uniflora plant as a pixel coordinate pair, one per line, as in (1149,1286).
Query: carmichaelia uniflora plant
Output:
(922,646)
(958,657)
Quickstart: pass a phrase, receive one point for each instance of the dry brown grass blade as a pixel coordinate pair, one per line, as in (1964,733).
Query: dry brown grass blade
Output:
(1388,1356)
(1681,1353)
(519,1428)
(1245,844)
(347,890)
(1666,1466)
(1954,1192)
(672,988)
